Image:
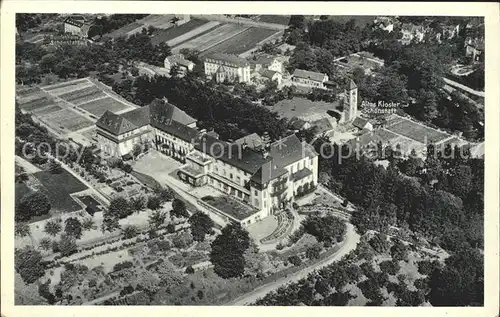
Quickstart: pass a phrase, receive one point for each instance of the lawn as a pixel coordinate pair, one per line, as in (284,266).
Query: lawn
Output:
(213,38)
(196,33)
(417,132)
(303,108)
(165,35)
(58,188)
(66,120)
(230,206)
(98,107)
(242,42)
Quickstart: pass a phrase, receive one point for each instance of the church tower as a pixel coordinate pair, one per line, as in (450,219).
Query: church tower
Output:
(351,104)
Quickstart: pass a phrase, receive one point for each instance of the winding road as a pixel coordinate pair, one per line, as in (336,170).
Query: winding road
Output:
(351,240)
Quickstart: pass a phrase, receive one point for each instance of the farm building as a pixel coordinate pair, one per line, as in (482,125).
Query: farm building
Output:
(179,60)
(309,79)
(227,67)
(258,180)
(362,124)
(77,25)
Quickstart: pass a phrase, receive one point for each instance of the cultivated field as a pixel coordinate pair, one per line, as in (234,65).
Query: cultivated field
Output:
(160,21)
(242,42)
(98,107)
(47,110)
(124,30)
(417,132)
(58,91)
(65,84)
(277,19)
(82,95)
(37,103)
(212,38)
(66,120)
(183,32)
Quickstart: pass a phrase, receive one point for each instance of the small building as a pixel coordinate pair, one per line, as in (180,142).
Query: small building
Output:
(384,23)
(309,79)
(77,25)
(362,124)
(178,60)
(474,48)
(271,75)
(411,32)
(267,62)
(226,67)
(253,141)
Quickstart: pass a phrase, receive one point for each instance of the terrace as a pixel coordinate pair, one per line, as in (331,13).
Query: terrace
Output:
(230,206)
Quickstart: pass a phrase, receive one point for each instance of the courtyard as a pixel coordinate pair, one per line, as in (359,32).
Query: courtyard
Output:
(304,109)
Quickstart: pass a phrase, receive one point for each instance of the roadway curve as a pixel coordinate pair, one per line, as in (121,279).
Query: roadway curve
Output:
(350,242)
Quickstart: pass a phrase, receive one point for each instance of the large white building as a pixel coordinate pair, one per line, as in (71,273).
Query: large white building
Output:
(77,25)
(262,175)
(310,79)
(226,67)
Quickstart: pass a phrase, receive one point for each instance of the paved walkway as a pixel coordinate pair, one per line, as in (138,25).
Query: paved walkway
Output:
(350,242)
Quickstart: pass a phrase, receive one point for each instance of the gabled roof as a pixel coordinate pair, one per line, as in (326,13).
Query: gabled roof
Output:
(289,150)
(180,60)
(309,75)
(263,60)
(115,124)
(322,125)
(360,122)
(352,85)
(267,73)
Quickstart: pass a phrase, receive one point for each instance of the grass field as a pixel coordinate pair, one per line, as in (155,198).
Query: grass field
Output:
(66,120)
(276,19)
(417,132)
(213,38)
(166,35)
(303,108)
(23,91)
(75,95)
(58,188)
(98,107)
(242,42)
(67,89)
(124,30)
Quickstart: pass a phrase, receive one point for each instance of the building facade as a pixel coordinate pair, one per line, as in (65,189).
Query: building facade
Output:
(178,60)
(263,176)
(309,79)
(77,25)
(226,67)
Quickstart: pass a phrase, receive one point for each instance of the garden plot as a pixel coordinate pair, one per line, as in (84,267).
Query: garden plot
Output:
(66,84)
(160,21)
(417,132)
(22,91)
(91,92)
(99,106)
(276,19)
(242,42)
(35,104)
(124,30)
(72,88)
(66,120)
(47,110)
(212,38)
(177,35)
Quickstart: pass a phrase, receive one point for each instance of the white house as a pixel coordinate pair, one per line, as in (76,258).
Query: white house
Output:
(227,67)
(309,79)
(178,60)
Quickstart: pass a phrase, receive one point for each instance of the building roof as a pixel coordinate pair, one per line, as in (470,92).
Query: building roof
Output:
(159,113)
(227,59)
(267,73)
(309,75)
(253,140)
(301,174)
(180,60)
(289,150)
(352,85)
(78,21)
(322,125)
(263,60)
(360,123)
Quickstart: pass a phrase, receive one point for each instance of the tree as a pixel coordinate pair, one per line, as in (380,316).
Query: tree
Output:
(313,252)
(32,205)
(147,281)
(295,260)
(157,219)
(227,254)
(201,224)
(52,227)
(45,244)
(138,203)
(379,243)
(22,229)
(119,208)
(48,63)
(28,263)
(325,228)
(389,267)
(88,223)
(154,203)
(168,273)
(399,251)
(67,245)
(164,193)
(130,231)
(179,208)
(182,240)
(73,227)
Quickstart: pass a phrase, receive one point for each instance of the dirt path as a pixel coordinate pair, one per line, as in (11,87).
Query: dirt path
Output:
(352,239)
(28,167)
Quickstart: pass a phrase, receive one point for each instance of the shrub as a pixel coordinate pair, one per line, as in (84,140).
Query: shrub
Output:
(127,168)
(154,203)
(189,270)
(280,246)
(399,251)
(87,224)
(55,247)
(313,252)
(130,231)
(164,245)
(367,269)
(122,265)
(295,260)
(170,228)
(129,289)
(46,244)
(426,267)
(182,240)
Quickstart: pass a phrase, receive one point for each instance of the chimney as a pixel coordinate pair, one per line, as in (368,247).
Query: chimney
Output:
(244,145)
(265,154)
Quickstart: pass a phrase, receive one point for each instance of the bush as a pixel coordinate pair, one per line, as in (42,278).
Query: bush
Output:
(189,270)
(122,265)
(164,245)
(46,244)
(313,252)
(368,269)
(389,267)
(280,246)
(170,228)
(130,231)
(426,267)
(129,289)
(154,203)
(127,168)
(295,260)
(182,240)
